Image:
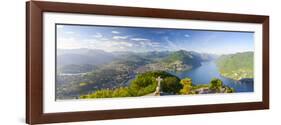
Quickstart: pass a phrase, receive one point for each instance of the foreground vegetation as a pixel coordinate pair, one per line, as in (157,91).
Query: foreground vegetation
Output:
(236,66)
(146,83)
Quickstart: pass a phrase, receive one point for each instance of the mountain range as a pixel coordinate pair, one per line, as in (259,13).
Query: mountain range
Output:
(83,56)
(86,70)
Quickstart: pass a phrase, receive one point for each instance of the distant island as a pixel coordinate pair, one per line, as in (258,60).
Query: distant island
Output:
(236,66)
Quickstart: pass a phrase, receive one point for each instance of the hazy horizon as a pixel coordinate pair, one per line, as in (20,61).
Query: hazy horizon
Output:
(136,39)
(157,51)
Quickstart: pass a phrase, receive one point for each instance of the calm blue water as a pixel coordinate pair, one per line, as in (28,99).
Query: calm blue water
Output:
(209,70)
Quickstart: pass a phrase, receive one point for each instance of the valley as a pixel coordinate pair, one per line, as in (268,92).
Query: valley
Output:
(118,74)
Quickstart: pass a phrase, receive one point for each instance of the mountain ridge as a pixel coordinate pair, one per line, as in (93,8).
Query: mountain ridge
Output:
(236,66)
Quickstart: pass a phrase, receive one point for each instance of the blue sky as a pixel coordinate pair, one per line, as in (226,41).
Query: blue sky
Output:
(137,39)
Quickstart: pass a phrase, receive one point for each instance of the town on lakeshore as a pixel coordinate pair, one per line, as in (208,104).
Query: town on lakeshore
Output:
(113,62)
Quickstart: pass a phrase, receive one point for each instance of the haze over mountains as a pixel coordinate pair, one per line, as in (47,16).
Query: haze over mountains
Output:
(83,56)
(109,70)
(97,57)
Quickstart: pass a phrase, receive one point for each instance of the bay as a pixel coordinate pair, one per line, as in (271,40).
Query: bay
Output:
(208,70)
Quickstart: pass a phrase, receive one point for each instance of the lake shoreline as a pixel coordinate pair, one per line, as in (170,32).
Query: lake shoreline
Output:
(208,70)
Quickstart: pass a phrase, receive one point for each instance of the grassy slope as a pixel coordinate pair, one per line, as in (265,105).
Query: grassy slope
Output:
(236,66)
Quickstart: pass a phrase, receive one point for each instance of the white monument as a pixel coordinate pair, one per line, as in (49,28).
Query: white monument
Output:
(158,88)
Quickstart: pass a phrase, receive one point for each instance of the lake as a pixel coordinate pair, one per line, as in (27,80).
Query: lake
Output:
(209,70)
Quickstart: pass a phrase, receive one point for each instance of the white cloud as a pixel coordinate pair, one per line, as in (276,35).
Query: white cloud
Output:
(105,44)
(115,32)
(104,39)
(171,44)
(97,35)
(139,39)
(68,43)
(120,37)
(121,47)
(125,44)
(148,44)
(156,44)
(108,45)
(145,42)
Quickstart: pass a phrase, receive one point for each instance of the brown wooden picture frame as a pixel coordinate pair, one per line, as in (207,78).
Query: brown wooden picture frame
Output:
(34,61)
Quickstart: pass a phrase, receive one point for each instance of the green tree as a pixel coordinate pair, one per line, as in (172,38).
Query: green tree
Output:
(230,90)
(121,92)
(171,85)
(187,85)
(216,84)
(142,85)
(146,83)
(104,93)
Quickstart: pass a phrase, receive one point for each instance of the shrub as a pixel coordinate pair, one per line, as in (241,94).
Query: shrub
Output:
(216,84)
(187,85)
(171,85)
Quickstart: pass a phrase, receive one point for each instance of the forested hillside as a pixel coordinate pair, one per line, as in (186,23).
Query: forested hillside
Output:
(236,66)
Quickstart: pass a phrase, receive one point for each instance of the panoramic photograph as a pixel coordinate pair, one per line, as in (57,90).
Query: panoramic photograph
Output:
(94,62)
